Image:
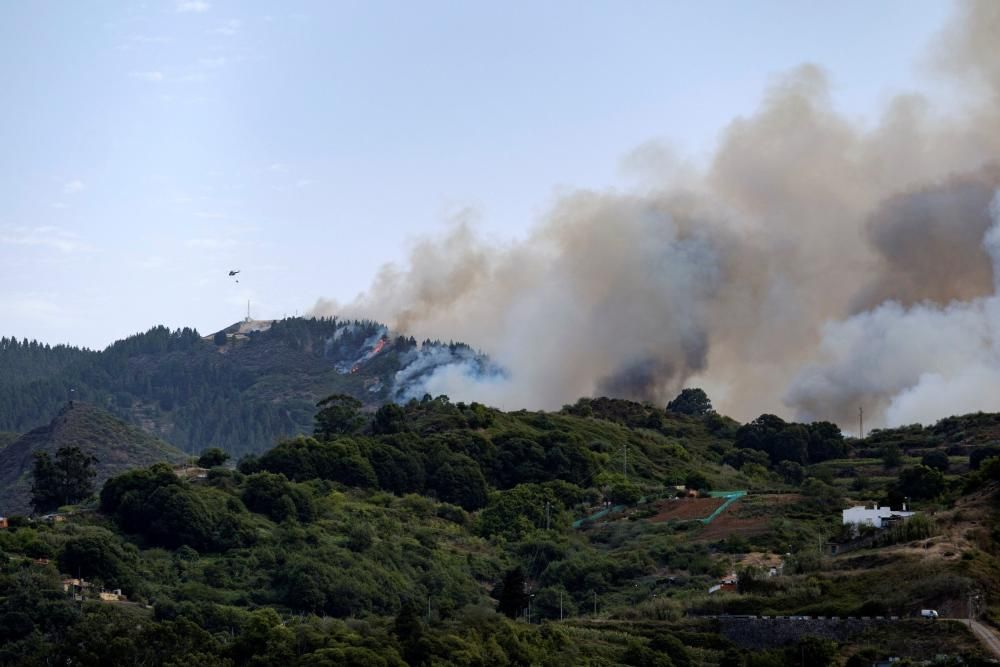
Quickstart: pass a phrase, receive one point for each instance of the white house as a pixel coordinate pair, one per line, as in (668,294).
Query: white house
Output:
(879,517)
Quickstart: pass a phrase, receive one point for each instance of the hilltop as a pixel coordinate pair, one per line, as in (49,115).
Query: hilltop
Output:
(118,447)
(240,389)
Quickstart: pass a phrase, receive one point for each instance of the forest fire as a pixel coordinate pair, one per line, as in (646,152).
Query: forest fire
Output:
(379,346)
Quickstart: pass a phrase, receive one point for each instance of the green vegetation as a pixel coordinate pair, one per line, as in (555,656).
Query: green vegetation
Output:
(238,391)
(441,533)
(81,433)
(63,480)
(691,402)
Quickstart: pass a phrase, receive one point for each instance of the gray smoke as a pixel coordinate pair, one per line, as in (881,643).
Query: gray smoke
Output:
(914,364)
(748,278)
(930,243)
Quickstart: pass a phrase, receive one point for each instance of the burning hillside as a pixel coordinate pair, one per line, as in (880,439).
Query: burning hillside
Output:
(814,259)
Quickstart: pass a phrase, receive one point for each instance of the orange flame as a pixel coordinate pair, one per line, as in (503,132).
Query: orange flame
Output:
(379,346)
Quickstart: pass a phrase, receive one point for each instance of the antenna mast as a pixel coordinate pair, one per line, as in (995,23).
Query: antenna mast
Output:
(861,422)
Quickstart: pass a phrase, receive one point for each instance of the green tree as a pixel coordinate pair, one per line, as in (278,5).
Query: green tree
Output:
(980,454)
(892,455)
(791,472)
(697,481)
(624,492)
(460,481)
(272,494)
(511,593)
(691,402)
(99,554)
(921,482)
(825,442)
(389,419)
(219,338)
(760,434)
(409,630)
(339,414)
(64,480)
(936,459)
(212,457)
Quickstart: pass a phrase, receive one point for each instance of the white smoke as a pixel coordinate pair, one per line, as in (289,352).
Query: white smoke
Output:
(917,363)
(816,259)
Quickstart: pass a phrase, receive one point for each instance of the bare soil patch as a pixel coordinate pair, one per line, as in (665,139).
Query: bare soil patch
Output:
(726,524)
(685,509)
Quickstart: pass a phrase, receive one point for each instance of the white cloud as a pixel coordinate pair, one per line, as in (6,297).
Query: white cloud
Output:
(43,237)
(193,77)
(193,6)
(210,243)
(230,28)
(151,262)
(29,305)
(153,77)
(148,39)
(73,187)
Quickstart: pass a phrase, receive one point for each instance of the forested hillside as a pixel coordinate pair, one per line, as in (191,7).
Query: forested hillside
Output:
(441,533)
(240,390)
(115,446)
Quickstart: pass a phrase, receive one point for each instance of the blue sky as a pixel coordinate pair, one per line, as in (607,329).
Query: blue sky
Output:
(147,149)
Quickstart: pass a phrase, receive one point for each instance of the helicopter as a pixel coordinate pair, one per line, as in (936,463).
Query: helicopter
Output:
(233,273)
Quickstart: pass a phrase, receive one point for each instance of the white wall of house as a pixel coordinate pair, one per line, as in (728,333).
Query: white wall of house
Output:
(876,516)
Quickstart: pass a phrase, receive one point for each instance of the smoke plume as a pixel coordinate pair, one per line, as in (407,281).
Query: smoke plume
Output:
(815,263)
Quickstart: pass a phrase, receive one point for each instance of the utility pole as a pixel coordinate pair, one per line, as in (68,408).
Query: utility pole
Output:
(560,606)
(861,422)
(625,466)
(548,514)
(595,603)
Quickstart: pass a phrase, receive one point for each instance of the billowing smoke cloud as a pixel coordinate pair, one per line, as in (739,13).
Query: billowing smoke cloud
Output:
(930,242)
(766,279)
(914,364)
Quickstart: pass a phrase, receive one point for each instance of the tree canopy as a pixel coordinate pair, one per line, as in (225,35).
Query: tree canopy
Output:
(692,401)
(63,480)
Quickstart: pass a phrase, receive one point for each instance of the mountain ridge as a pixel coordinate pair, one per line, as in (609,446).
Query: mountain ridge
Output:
(117,446)
(241,389)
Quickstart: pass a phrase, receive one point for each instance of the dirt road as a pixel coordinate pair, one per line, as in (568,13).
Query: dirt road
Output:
(988,636)
(984,633)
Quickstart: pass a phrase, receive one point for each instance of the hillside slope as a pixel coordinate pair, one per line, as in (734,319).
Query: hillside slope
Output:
(450,534)
(240,389)
(117,446)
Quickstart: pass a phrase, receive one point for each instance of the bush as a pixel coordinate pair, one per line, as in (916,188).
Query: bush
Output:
(936,459)
(212,458)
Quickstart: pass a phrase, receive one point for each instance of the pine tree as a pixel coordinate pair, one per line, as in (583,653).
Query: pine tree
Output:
(67,479)
(511,593)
